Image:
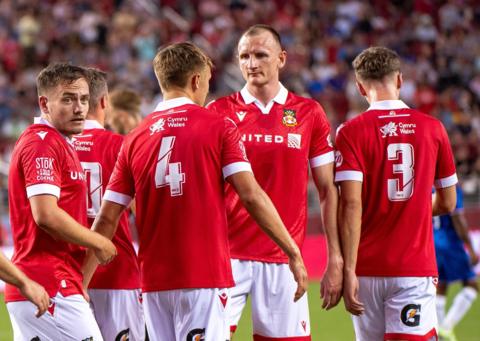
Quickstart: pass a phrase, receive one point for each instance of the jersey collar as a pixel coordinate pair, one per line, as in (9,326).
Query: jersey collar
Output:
(41,120)
(388,105)
(93,124)
(173,103)
(280,98)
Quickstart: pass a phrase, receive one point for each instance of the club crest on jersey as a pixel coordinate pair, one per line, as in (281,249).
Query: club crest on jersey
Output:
(289,118)
(389,129)
(157,126)
(241,115)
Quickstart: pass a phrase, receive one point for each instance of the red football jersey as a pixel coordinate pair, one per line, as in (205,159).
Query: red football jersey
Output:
(399,154)
(44,162)
(98,150)
(281,140)
(172,163)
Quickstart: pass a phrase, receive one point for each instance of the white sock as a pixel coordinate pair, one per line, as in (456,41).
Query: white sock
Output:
(459,308)
(440,304)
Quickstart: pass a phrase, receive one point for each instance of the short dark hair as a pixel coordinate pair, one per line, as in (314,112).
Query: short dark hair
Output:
(175,63)
(57,73)
(259,28)
(97,82)
(375,63)
(126,99)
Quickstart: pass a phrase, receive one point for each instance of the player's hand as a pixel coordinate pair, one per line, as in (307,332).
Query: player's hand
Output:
(36,294)
(300,275)
(332,282)
(106,252)
(350,294)
(473,256)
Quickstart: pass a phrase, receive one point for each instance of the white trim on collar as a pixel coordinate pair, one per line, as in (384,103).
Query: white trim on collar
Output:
(172,103)
(280,98)
(388,105)
(41,120)
(92,124)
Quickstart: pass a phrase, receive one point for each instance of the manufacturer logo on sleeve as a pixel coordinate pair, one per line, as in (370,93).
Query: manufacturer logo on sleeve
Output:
(42,134)
(289,118)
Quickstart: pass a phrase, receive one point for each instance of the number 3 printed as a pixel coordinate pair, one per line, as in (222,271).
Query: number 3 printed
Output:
(169,174)
(405,167)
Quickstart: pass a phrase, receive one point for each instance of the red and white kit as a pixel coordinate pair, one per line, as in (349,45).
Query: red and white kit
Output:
(44,162)
(398,154)
(116,285)
(281,140)
(173,164)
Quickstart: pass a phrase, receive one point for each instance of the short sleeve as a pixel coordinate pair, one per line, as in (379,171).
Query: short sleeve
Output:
(321,148)
(445,174)
(347,164)
(41,165)
(234,157)
(121,187)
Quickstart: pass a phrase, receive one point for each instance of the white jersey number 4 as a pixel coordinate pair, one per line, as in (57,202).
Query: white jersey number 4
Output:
(166,173)
(405,168)
(93,172)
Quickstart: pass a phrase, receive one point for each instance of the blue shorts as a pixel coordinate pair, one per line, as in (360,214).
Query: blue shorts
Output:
(454,264)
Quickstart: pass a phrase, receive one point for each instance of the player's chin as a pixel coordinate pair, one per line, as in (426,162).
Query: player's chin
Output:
(76,126)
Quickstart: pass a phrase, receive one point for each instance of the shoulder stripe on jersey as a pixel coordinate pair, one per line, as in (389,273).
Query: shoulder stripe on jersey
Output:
(446,182)
(43,189)
(118,198)
(323,159)
(236,167)
(349,175)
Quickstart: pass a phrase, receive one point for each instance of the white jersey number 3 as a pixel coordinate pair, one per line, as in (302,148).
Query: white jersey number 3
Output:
(166,173)
(405,168)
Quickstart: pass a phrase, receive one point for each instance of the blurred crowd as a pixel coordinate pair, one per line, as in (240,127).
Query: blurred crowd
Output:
(439,42)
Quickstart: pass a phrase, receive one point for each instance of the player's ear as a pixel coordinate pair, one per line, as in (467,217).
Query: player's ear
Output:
(195,81)
(104,102)
(42,103)
(283,59)
(360,88)
(399,80)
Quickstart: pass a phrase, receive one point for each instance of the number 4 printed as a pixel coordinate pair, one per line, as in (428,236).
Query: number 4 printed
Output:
(166,173)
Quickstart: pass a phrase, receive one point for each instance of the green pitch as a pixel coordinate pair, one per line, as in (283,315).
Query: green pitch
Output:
(334,325)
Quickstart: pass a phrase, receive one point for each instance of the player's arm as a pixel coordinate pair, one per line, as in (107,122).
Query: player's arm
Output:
(461,227)
(262,210)
(350,221)
(444,200)
(54,220)
(105,224)
(33,291)
(331,286)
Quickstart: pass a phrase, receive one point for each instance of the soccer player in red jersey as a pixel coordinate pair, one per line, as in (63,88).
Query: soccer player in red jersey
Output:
(387,161)
(47,195)
(175,164)
(283,134)
(117,285)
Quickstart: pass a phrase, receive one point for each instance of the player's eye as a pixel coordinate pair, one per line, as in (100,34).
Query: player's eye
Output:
(67,100)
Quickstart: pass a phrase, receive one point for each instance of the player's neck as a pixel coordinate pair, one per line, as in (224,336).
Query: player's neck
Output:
(376,94)
(99,117)
(177,93)
(264,93)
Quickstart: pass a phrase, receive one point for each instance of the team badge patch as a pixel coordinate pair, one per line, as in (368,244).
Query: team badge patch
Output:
(196,335)
(289,118)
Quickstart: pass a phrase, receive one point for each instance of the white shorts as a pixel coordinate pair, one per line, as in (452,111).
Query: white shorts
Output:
(119,313)
(397,308)
(187,315)
(69,318)
(272,287)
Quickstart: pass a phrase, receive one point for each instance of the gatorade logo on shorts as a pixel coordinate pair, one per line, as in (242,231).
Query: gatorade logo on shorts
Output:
(196,335)
(124,335)
(410,315)
(36,338)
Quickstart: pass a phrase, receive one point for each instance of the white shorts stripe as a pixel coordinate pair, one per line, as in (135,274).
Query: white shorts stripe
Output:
(446,182)
(321,160)
(236,167)
(349,175)
(43,189)
(116,197)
